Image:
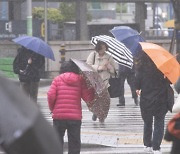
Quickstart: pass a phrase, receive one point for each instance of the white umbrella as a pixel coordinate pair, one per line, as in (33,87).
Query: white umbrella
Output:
(120,53)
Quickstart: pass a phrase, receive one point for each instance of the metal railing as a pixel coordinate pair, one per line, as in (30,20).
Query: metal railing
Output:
(63,51)
(158,34)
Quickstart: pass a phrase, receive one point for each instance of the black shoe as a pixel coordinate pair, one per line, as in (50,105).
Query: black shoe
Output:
(94,117)
(121,101)
(136,101)
(120,104)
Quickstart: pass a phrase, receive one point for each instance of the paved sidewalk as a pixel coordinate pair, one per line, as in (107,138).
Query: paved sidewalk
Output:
(94,134)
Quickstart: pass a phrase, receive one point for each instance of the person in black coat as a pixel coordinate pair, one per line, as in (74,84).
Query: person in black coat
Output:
(153,87)
(27,64)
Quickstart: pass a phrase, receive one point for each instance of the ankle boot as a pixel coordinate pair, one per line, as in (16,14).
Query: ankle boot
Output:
(121,101)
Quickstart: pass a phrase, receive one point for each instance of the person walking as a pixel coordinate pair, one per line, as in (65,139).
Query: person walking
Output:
(125,73)
(28,64)
(153,88)
(103,63)
(64,100)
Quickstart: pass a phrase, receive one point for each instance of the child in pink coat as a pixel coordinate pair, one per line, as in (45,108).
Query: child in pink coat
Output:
(64,100)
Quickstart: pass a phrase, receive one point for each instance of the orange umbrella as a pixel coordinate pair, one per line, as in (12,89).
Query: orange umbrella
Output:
(164,61)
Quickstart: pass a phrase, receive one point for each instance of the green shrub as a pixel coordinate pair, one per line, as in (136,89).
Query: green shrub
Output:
(6,67)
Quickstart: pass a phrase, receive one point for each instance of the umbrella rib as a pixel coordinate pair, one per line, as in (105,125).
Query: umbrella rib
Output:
(124,50)
(119,58)
(111,45)
(124,62)
(121,50)
(117,55)
(126,53)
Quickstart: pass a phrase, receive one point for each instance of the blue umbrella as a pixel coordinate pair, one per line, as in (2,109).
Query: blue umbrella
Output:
(129,37)
(35,44)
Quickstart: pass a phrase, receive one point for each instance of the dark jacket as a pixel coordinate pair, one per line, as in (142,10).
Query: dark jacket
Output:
(31,71)
(154,89)
(123,70)
(173,133)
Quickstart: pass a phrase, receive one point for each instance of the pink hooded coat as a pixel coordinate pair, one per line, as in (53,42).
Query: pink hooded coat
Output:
(64,96)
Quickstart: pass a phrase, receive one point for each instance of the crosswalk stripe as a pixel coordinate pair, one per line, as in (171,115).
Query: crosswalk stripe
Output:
(120,119)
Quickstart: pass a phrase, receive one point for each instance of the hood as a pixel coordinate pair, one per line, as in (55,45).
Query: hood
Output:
(70,78)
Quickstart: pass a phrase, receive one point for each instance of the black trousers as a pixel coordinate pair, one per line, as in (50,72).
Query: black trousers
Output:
(153,137)
(131,81)
(73,128)
(31,89)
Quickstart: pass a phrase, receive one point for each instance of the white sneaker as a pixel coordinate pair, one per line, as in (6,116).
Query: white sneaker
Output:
(157,152)
(148,149)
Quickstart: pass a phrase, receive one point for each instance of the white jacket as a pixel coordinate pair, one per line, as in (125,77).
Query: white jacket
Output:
(95,61)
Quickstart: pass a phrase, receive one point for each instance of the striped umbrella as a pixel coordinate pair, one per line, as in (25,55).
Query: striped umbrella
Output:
(120,53)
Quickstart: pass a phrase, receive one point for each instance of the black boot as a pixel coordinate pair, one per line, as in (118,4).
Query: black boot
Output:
(94,117)
(121,101)
(121,104)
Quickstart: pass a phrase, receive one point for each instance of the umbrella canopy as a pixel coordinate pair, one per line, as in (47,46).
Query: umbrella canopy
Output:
(119,51)
(100,105)
(24,129)
(129,37)
(35,44)
(164,61)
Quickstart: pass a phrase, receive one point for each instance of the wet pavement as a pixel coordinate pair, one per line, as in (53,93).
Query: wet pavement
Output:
(121,132)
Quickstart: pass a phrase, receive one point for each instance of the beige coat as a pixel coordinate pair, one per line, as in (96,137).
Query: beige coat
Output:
(95,61)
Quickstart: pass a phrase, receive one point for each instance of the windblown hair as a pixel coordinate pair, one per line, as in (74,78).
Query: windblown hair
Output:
(69,66)
(98,46)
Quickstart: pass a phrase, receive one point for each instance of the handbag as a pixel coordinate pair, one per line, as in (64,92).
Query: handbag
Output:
(114,88)
(176,106)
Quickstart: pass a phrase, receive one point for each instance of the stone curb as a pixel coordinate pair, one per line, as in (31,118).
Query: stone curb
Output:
(42,83)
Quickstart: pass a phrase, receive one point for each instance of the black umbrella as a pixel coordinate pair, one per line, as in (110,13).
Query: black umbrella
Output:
(23,129)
